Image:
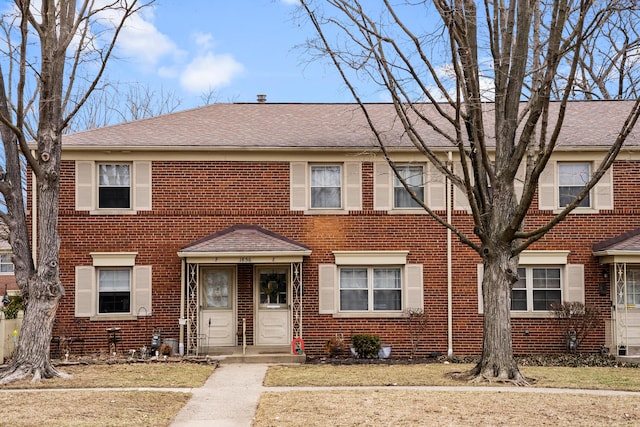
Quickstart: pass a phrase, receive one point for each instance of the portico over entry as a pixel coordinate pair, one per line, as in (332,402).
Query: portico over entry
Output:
(241,286)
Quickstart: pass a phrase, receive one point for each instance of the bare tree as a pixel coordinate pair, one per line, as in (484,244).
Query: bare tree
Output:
(54,39)
(510,50)
(117,102)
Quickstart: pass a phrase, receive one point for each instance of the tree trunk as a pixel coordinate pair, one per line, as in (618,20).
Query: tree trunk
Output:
(31,358)
(497,362)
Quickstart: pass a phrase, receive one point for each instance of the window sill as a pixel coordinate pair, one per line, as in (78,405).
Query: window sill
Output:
(113,212)
(326,212)
(407,211)
(370,315)
(579,211)
(112,317)
(531,315)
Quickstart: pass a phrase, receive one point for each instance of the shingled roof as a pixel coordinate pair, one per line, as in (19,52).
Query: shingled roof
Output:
(245,239)
(626,242)
(313,126)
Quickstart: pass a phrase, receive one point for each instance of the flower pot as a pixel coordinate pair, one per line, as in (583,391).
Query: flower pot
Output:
(385,352)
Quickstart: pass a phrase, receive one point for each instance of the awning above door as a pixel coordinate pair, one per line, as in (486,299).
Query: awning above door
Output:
(244,244)
(622,248)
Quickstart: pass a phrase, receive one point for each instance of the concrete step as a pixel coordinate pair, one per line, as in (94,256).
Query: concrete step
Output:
(261,358)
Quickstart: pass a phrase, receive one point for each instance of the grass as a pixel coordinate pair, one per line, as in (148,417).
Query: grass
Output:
(433,374)
(401,407)
(41,405)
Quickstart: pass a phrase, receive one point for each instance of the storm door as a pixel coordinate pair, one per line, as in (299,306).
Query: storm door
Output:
(217,307)
(273,306)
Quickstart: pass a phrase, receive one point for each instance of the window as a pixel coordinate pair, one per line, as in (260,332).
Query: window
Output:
(633,287)
(370,289)
(273,286)
(413,176)
(114,290)
(537,289)
(572,177)
(114,186)
(326,187)
(6,266)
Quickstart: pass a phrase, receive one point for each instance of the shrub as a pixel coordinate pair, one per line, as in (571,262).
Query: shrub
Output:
(576,321)
(366,345)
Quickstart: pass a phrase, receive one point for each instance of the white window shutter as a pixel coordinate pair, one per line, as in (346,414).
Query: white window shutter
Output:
(436,191)
(353,186)
(142,188)
(382,187)
(85,187)
(603,191)
(480,277)
(547,188)
(414,286)
(574,283)
(85,291)
(298,186)
(142,290)
(327,282)
(460,201)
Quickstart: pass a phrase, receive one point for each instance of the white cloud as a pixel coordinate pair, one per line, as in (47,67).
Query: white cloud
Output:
(209,71)
(291,1)
(203,40)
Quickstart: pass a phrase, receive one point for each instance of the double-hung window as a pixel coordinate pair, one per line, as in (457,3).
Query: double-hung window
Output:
(414,177)
(633,288)
(6,266)
(537,289)
(572,177)
(114,290)
(326,186)
(114,186)
(370,289)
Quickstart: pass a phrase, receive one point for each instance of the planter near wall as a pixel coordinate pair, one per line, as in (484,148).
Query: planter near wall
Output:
(385,352)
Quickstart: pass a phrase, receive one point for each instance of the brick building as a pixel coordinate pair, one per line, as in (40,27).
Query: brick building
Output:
(285,220)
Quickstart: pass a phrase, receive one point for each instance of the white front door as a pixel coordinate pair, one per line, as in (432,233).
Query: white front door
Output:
(217,307)
(272,298)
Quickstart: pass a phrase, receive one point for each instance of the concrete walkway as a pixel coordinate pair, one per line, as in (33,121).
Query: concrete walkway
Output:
(229,397)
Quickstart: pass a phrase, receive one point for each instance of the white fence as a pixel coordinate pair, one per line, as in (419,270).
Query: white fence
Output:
(8,339)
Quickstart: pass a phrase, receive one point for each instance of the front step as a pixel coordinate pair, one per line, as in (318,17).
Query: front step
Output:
(262,358)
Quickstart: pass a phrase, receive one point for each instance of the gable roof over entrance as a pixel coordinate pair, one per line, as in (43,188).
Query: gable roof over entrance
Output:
(244,244)
(622,248)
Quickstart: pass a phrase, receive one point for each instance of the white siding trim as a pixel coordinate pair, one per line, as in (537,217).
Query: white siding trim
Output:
(85,291)
(327,284)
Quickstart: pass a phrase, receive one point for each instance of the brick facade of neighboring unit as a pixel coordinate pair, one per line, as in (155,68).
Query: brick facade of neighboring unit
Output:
(198,190)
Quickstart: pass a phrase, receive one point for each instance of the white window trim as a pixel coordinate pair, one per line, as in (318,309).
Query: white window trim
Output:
(87,182)
(529,289)
(7,273)
(423,186)
(412,277)
(551,258)
(371,289)
(342,187)
(579,209)
(87,286)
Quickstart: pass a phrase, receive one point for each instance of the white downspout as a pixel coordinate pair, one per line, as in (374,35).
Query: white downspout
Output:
(449,258)
(181,322)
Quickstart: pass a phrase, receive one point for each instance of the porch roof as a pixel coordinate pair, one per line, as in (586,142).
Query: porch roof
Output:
(244,244)
(622,248)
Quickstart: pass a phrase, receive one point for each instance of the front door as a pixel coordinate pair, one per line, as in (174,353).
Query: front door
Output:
(217,307)
(272,298)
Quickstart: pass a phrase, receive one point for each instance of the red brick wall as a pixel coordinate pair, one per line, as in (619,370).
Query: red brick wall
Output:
(194,199)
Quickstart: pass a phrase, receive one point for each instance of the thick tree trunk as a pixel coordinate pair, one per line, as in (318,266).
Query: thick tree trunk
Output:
(497,362)
(31,358)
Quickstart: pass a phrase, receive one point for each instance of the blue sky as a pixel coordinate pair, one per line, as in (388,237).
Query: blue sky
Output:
(237,48)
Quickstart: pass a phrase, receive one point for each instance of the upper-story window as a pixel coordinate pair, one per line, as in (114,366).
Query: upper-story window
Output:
(6,266)
(114,186)
(414,177)
(326,186)
(572,177)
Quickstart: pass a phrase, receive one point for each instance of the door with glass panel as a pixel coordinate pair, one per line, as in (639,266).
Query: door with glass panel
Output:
(217,307)
(273,313)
